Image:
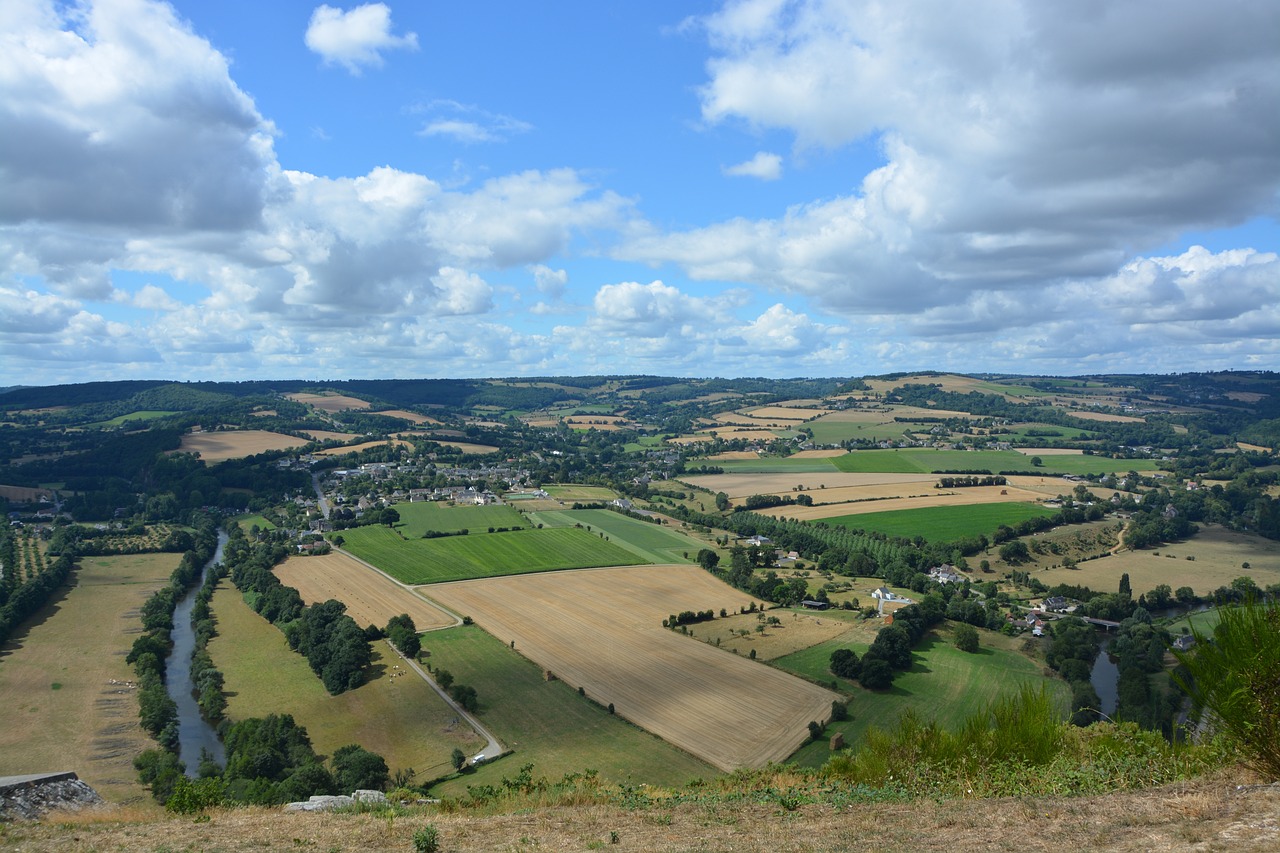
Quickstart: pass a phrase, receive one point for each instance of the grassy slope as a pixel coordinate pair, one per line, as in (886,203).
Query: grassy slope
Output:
(482,555)
(400,718)
(943,523)
(655,543)
(547,723)
(945,684)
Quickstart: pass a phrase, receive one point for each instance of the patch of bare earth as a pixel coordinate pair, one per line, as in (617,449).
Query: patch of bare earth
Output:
(1205,816)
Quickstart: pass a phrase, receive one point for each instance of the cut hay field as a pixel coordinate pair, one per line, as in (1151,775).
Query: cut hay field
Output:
(24,494)
(824,486)
(67,695)
(1103,416)
(356,448)
(777,465)
(221,445)
(944,684)
(397,716)
(329,435)
(418,517)
(371,598)
(943,523)
(654,543)
(575,492)
(925,460)
(1219,555)
(601,630)
(330,403)
(920,498)
(547,723)
(482,555)
(412,417)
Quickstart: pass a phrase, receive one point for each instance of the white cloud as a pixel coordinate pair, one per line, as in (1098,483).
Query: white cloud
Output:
(550,282)
(765,166)
(356,38)
(469,124)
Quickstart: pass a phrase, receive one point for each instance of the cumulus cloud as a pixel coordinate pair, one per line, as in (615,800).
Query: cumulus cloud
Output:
(765,166)
(357,38)
(549,281)
(1038,145)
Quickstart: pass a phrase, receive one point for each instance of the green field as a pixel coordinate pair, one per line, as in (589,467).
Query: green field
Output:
(943,523)
(248,521)
(419,517)
(149,415)
(945,684)
(768,465)
(654,543)
(924,461)
(576,492)
(483,555)
(547,723)
(828,430)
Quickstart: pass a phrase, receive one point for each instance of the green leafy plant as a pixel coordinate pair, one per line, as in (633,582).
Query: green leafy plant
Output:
(427,839)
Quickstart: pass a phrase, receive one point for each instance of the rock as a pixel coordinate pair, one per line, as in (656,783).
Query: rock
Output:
(366,796)
(320,803)
(31,797)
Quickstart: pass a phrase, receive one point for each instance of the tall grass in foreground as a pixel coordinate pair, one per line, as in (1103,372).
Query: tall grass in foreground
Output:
(1019,746)
(1233,677)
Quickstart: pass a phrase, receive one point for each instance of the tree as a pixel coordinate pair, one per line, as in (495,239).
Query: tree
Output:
(844,663)
(356,769)
(1036,461)
(1126,589)
(458,759)
(708,559)
(966,638)
(876,674)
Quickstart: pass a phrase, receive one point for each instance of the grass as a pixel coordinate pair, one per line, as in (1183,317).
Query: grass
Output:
(575,492)
(1220,555)
(248,521)
(133,416)
(482,555)
(769,465)
(418,517)
(66,702)
(945,684)
(547,723)
(924,461)
(654,543)
(943,523)
(401,718)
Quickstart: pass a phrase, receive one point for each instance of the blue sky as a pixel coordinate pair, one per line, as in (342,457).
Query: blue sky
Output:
(241,190)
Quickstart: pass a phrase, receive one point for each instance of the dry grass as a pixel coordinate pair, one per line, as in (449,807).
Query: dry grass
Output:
(412,417)
(331,403)
(69,703)
(826,453)
(371,598)
(326,435)
(356,448)
(221,445)
(1102,416)
(24,494)
(939,497)
(1206,815)
(601,629)
(823,486)
(797,632)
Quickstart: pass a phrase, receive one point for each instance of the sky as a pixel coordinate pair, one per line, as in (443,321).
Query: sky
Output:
(244,190)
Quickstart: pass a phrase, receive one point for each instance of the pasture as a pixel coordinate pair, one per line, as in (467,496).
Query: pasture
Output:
(69,699)
(482,555)
(371,598)
(418,517)
(943,523)
(654,543)
(926,460)
(221,445)
(944,684)
(397,716)
(580,493)
(829,486)
(1219,557)
(601,630)
(547,724)
(883,499)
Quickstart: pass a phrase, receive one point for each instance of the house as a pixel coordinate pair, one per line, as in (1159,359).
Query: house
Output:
(1184,643)
(815,605)
(759,540)
(622,504)
(882,594)
(1055,604)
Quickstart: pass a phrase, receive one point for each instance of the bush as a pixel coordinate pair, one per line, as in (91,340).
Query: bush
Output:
(966,638)
(427,839)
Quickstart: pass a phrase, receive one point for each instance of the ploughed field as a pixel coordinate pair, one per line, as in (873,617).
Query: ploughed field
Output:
(601,630)
(371,598)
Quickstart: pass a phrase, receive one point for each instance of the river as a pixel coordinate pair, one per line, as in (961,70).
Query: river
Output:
(194,732)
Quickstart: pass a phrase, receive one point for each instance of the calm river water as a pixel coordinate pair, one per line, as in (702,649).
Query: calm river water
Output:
(194,733)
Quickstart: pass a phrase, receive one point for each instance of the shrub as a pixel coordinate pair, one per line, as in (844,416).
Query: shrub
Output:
(427,839)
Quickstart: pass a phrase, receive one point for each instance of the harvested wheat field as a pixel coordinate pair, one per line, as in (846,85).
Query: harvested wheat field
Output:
(821,453)
(356,448)
(939,497)
(1103,416)
(329,435)
(601,629)
(371,597)
(411,417)
(738,486)
(221,445)
(331,403)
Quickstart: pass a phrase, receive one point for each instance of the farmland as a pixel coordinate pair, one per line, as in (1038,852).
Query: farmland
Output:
(221,445)
(482,555)
(1212,558)
(398,716)
(547,723)
(69,700)
(884,498)
(420,516)
(371,598)
(654,543)
(943,523)
(995,461)
(601,630)
(328,403)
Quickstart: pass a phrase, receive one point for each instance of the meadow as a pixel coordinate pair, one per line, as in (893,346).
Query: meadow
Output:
(399,716)
(943,523)
(944,684)
(926,460)
(482,555)
(69,699)
(1212,558)
(418,517)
